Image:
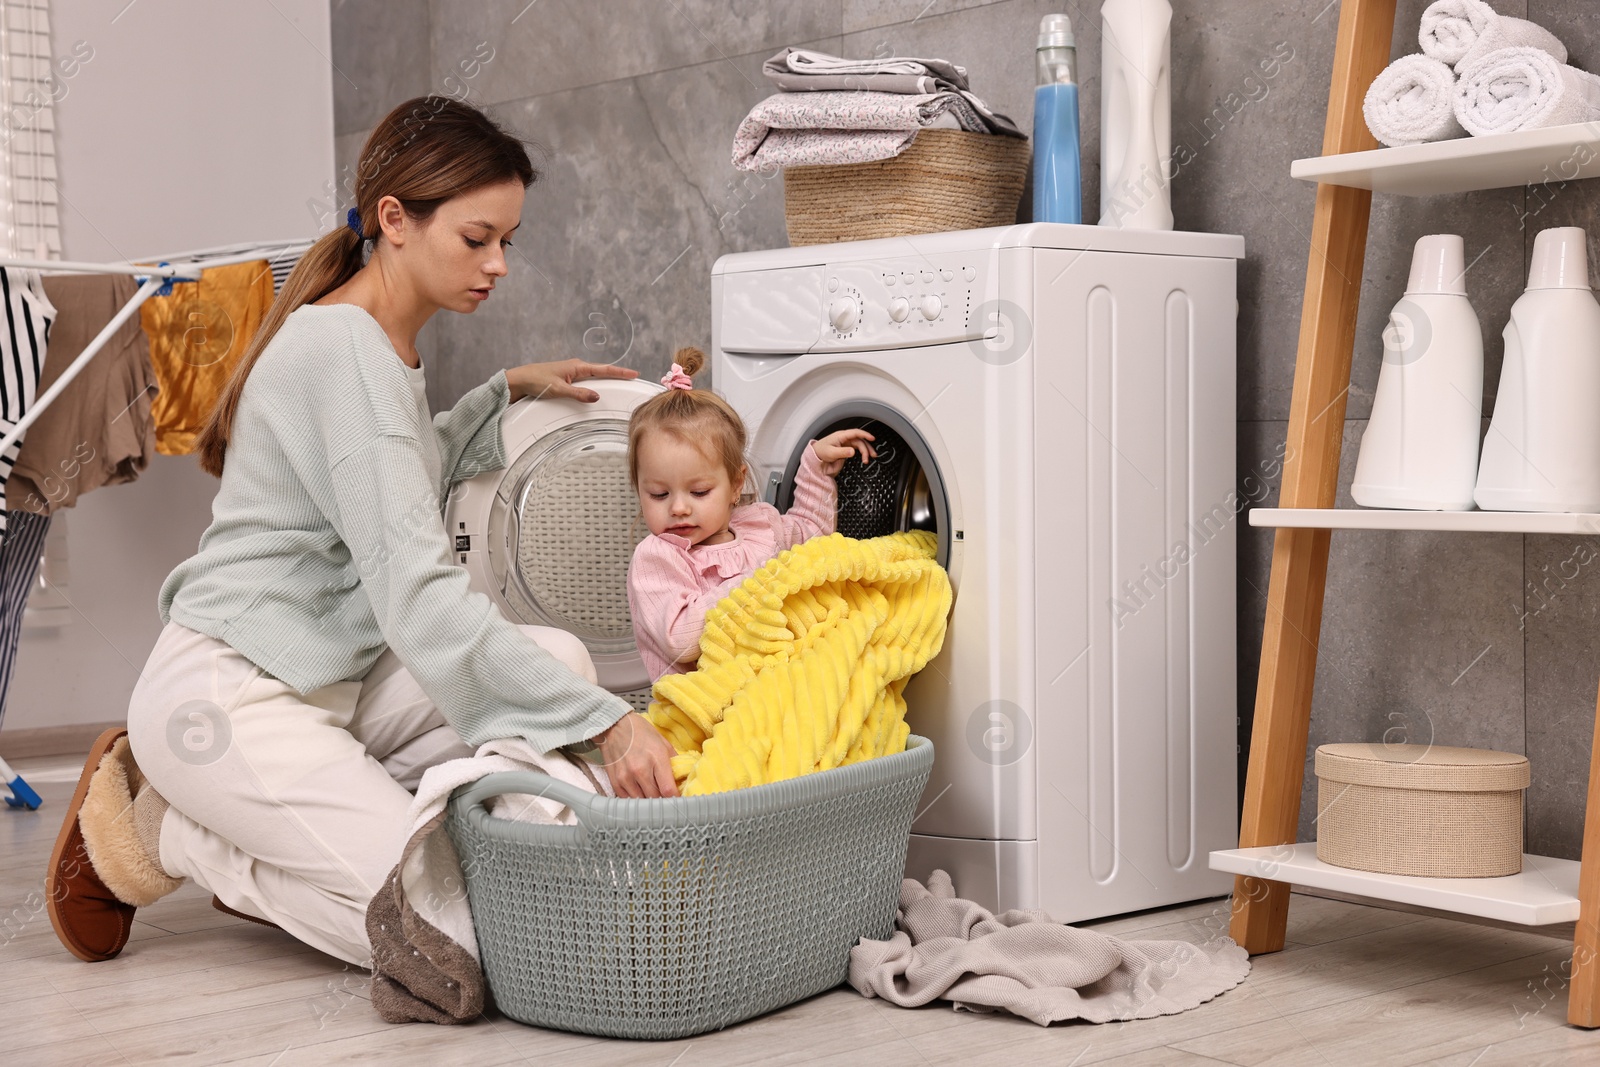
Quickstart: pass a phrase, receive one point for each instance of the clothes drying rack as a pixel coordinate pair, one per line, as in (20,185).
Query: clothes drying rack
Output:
(155,279)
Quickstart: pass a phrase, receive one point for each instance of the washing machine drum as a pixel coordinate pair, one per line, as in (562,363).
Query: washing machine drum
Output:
(900,490)
(550,536)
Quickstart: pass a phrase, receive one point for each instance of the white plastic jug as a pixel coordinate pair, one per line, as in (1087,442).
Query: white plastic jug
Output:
(1420,449)
(1135,114)
(1542,452)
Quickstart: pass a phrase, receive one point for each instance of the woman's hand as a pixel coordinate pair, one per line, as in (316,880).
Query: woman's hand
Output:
(840,445)
(545,380)
(637,757)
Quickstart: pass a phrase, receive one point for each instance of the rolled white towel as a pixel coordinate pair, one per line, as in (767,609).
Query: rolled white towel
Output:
(1451,27)
(1523,89)
(1460,32)
(1412,101)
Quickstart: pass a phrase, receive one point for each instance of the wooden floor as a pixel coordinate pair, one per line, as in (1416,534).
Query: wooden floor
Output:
(1356,985)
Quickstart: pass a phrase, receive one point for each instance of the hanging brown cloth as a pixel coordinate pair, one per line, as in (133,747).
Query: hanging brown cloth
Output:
(99,431)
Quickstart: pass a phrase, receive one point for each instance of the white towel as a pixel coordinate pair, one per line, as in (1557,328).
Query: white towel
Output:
(1523,89)
(1459,32)
(1412,101)
(424,950)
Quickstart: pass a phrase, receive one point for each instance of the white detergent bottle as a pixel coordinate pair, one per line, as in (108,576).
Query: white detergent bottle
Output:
(1420,449)
(1135,114)
(1542,452)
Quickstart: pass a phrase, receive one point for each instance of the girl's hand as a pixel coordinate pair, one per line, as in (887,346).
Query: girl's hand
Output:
(545,380)
(637,757)
(840,445)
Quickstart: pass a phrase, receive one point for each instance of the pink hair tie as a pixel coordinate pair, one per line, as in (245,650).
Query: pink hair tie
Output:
(676,379)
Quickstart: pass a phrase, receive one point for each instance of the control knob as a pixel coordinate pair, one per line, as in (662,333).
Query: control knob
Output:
(844,313)
(899,309)
(931,306)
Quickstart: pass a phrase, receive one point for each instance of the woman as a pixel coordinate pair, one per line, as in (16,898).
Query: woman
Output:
(321,650)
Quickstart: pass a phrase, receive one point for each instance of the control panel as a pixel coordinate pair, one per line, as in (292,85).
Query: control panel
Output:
(858,306)
(901,303)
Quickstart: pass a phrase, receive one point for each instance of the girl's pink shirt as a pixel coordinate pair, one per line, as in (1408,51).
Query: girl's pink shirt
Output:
(671,584)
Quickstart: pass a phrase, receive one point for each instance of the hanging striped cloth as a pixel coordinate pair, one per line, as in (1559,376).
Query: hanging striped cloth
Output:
(19,567)
(23,339)
(282,263)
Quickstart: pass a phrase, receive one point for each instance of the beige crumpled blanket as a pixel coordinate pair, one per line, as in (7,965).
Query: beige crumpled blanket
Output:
(1024,962)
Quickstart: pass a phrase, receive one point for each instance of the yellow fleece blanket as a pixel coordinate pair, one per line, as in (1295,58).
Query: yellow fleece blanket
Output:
(802,666)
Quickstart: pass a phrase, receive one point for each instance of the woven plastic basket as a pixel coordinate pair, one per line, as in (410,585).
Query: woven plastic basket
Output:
(665,918)
(945,180)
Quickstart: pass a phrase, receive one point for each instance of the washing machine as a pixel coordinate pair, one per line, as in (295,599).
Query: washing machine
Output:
(550,536)
(1057,403)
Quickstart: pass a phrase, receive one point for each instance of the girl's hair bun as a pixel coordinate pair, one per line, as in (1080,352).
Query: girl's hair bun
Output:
(690,359)
(697,416)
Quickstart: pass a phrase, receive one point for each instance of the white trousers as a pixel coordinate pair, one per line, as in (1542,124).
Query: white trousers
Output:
(291,808)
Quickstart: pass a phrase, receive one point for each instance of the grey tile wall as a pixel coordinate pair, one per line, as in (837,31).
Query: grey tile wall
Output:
(553,45)
(1560,615)
(633,104)
(380,57)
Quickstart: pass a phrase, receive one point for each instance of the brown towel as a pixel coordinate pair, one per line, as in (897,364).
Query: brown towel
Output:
(99,431)
(1025,963)
(419,974)
(197,336)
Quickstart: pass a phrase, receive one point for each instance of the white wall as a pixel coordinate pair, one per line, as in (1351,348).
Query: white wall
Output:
(196,123)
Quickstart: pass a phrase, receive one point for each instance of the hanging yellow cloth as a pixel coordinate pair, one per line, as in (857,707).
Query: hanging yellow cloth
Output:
(197,336)
(802,666)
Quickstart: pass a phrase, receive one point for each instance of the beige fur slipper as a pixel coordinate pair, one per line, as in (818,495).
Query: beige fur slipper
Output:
(120,820)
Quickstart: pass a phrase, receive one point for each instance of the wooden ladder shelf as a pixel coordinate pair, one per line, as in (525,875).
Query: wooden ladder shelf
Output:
(1271,809)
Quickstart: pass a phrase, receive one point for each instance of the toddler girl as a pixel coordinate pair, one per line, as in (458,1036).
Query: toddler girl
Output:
(686,462)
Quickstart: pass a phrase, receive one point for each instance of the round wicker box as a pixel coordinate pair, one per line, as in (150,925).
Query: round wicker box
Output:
(944,180)
(1420,809)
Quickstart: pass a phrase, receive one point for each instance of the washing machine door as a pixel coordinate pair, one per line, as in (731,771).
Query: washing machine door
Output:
(903,489)
(550,536)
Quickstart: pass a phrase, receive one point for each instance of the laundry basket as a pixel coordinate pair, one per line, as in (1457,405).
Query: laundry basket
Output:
(665,918)
(944,180)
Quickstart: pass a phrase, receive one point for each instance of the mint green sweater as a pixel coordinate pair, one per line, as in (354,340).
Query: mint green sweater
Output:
(327,540)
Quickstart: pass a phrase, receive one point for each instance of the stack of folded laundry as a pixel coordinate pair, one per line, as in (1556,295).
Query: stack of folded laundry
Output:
(833,110)
(1480,72)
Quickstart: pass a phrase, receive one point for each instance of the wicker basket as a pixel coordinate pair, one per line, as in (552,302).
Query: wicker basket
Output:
(944,180)
(665,918)
(1420,809)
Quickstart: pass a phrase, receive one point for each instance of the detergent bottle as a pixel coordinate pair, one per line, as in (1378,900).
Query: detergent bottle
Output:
(1057,170)
(1420,449)
(1542,452)
(1135,114)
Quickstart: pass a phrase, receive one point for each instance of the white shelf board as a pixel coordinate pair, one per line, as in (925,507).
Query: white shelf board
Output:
(1549,522)
(1545,892)
(1526,157)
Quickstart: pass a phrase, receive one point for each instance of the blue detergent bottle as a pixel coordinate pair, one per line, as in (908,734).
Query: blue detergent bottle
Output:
(1057,179)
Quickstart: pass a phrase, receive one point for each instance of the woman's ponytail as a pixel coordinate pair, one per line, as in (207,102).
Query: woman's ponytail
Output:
(326,265)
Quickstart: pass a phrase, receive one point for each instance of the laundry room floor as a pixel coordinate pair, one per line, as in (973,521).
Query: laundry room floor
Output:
(1355,985)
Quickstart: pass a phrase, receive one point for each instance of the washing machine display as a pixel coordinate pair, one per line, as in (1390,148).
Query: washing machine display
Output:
(550,536)
(1057,403)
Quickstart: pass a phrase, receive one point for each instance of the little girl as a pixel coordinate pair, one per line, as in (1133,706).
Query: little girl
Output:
(686,462)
